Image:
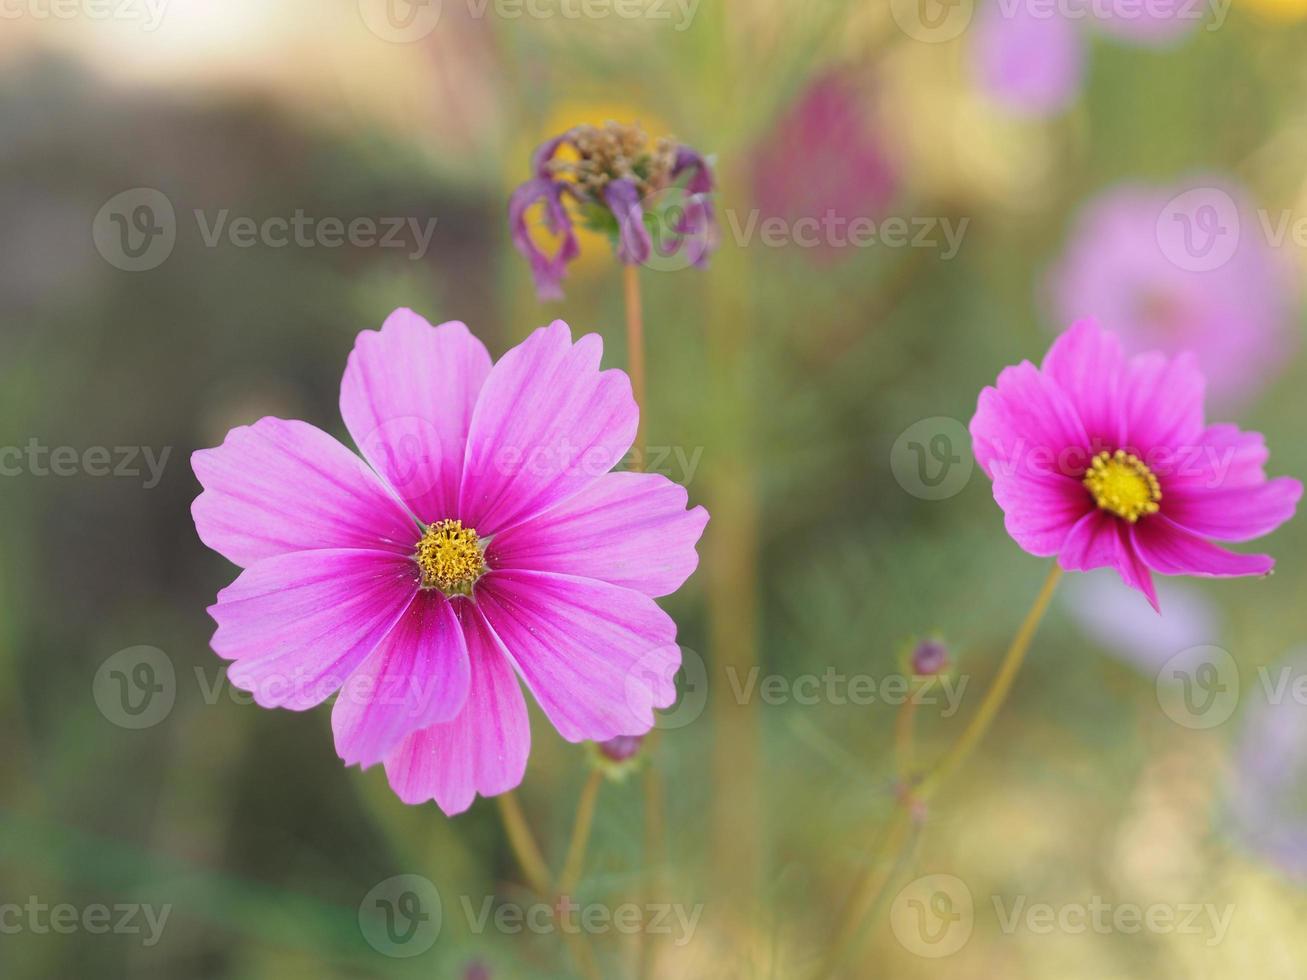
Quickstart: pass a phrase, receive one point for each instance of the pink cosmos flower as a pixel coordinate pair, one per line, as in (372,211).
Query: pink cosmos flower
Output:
(1124,265)
(1105,461)
(484,541)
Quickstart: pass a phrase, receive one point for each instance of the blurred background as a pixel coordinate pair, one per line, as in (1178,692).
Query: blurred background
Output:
(911,195)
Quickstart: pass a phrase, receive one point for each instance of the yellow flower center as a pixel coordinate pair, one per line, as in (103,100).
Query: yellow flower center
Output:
(1122,485)
(451,557)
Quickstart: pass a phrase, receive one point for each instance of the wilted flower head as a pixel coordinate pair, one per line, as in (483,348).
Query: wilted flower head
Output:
(1176,277)
(483,541)
(1108,461)
(615,179)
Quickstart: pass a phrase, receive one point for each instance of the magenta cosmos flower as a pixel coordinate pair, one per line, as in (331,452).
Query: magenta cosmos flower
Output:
(484,540)
(1123,266)
(1106,461)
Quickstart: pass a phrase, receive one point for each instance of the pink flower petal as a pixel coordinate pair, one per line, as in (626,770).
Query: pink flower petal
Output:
(598,658)
(279,486)
(1101,540)
(627,529)
(1041,514)
(482,750)
(1168,548)
(1240,514)
(298,625)
(417,676)
(547,425)
(1026,426)
(1164,402)
(407,399)
(1088,363)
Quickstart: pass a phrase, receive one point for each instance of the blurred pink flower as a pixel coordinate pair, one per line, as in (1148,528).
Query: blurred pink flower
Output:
(1127,264)
(1108,462)
(824,156)
(484,539)
(1030,56)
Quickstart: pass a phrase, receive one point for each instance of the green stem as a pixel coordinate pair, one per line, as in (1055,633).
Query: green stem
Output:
(878,875)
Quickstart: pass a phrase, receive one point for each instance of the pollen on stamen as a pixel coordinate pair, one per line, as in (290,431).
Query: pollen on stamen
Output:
(451,557)
(1122,484)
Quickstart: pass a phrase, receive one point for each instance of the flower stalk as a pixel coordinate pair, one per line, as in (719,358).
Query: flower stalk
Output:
(909,810)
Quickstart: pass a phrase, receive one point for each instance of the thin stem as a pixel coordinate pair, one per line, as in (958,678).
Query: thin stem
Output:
(655,834)
(998,691)
(878,875)
(585,812)
(635,352)
(903,730)
(539,880)
(868,890)
(524,845)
